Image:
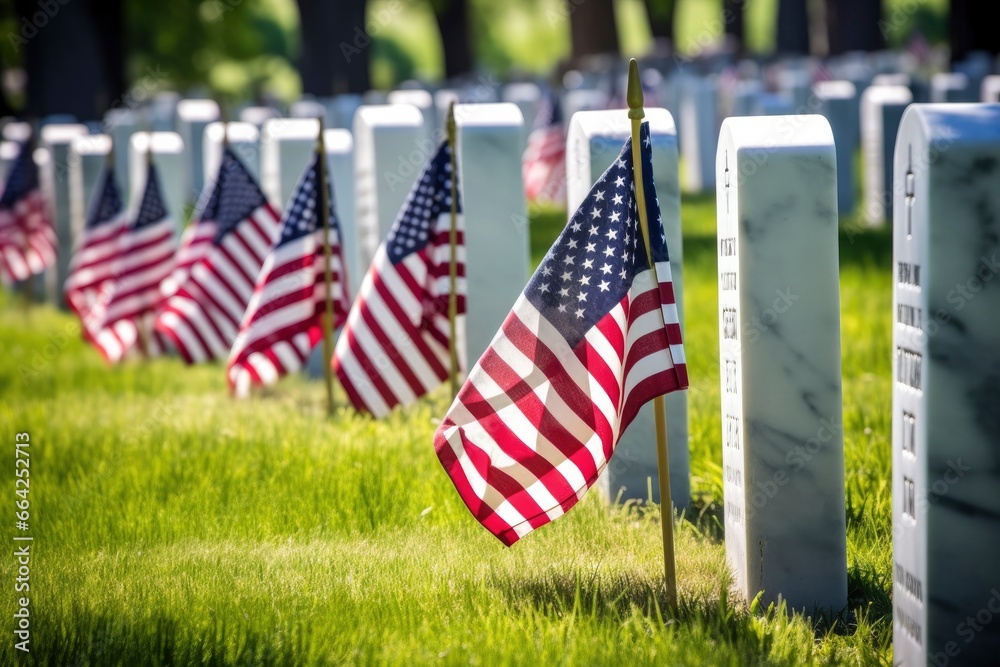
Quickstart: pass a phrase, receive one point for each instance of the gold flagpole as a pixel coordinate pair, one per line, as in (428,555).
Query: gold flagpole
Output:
(636,113)
(324,211)
(324,208)
(453,257)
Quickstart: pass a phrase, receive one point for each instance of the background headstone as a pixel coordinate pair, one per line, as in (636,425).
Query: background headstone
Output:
(193,116)
(88,157)
(257,115)
(243,138)
(991,89)
(952,87)
(390,149)
(286,146)
(593,142)
(421,99)
(497,257)
(946,370)
(527,96)
(779,321)
(699,132)
(167,153)
(881,110)
(55,141)
(120,125)
(838,103)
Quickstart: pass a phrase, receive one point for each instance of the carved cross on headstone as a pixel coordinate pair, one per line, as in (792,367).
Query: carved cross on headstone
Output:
(727,182)
(911,181)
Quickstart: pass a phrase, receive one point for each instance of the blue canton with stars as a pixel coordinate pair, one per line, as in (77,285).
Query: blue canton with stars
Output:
(429,198)
(152,209)
(23,178)
(235,196)
(108,203)
(301,218)
(590,267)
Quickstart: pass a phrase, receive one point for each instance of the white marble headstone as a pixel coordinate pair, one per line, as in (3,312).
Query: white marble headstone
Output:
(340,110)
(9,150)
(88,157)
(779,322)
(952,87)
(161,112)
(55,141)
(881,110)
(193,116)
(991,89)
(121,124)
(286,146)
(243,139)
(498,261)
(946,375)
(527,96)
(390,149)
(167,152)
(421,99)
(307,109)
(257,115)
(593,142)
(699,132)
(838,103)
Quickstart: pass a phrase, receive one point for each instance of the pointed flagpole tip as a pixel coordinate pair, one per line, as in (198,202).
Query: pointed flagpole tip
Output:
(450,125)
(634,93)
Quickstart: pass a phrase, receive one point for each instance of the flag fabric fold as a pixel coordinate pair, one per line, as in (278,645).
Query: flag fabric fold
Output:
(593,337)
(206,301)
(284,318)
(543,164)
(395,345)
(27,238)
(145,257)
(94,269)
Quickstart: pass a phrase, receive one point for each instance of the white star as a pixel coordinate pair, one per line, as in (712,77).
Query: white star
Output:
(612,234)
(615,216)
(575,226)
(606,268)
(579,314)
(619,182)
(623,274)
(544,287)
(564,291)
(620,162)
(567,276)
(609,251)
(572,244)
(568,259)
(589,263)
(604,285)
(599,195)
(546,271)
(618,199)
(582,296)
(646,142)
(562,308)
(584,280)
(595,212)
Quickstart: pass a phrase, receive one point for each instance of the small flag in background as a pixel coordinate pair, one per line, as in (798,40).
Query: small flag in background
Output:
(146,255)
(93,271)
(395,345)
(543,165)
(27,239)
(284,319)
(203,315)
(196,240)
(594,335)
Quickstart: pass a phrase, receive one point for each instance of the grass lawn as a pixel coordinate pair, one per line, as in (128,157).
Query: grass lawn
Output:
(173,525)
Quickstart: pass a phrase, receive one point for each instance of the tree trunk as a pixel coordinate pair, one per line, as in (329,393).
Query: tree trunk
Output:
(661,14)
(61,59)
(732,16)
(854,25)
(336,47)
(108,17)
(793,27)
(453,23)
(972,26)
(593,28)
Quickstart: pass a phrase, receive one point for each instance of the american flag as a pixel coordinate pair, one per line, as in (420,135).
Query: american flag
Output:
(196,240)
(146,255)
(93,271)
(593,336)
(27,239)
(394,347)
(203,315)
(284,319)
(543,164)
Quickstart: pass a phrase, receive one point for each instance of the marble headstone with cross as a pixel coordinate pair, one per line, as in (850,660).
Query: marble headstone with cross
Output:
(593,142)
(779,341)
(946,386)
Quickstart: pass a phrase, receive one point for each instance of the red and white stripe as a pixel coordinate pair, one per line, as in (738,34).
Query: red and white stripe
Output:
(394,346)
(537,421)
(543,165)
(202,318)
(284,318)
(27,239)
(146,260)
(196,241)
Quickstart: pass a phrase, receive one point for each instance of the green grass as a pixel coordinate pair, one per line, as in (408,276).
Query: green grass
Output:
(174,525)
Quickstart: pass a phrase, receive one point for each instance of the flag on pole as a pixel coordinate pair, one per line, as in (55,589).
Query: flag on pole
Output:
(93,271)
(594,335)
(27,239)
(195,241)
(202,316)
(543,164)
(395,345)
(146,255)
(284,319)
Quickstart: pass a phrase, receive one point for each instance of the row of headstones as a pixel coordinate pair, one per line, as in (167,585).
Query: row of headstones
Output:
(780,367)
